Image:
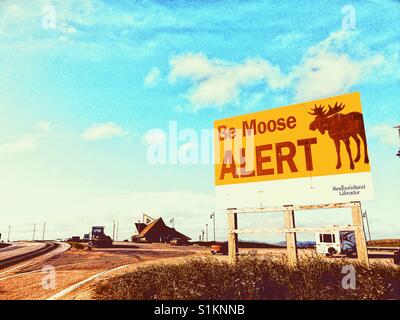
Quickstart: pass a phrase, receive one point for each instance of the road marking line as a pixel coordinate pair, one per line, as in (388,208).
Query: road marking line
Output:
(79,284)
(17,267)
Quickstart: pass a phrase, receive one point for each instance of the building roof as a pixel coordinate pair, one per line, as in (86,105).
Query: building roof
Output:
(140,226)
(149,227)
(160,223)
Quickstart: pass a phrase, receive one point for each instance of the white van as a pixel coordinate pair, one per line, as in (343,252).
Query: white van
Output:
(330,243)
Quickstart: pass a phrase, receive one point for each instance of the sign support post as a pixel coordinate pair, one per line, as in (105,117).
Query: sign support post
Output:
(290,228)
(291,239)
(232,235)
(361,243)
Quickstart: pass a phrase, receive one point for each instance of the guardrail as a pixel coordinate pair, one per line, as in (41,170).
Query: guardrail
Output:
(384,248)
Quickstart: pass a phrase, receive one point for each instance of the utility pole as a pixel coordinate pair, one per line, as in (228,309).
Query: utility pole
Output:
(202,235)
(34,230)
(212,216)
(44,230)
(366,219)
(9,230)
(113,230)
(206,232)
(117,231)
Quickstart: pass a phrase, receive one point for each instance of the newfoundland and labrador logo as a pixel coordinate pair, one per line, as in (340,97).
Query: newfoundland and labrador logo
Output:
(350,190)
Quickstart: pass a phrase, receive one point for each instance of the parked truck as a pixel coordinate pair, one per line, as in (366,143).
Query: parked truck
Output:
(331,243)
(219,248)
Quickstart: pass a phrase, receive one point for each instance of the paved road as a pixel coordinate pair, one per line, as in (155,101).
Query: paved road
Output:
(62,247)
(19,248)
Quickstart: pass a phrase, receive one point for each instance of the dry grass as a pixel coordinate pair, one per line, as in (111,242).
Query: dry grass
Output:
(251,278)
(79,246)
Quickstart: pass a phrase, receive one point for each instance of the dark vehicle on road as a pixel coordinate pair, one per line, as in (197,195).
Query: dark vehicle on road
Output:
(99,239)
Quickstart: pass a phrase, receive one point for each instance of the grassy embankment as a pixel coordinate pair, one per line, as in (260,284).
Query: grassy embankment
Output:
(252,278)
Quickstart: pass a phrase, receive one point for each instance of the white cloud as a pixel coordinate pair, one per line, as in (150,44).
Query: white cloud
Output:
(44,126)
(385,134)
(326,74)
(154,136)
(71,30)
(26,143)
(219,82)
(102,131)
(324,70)
(289,38)
(152,77)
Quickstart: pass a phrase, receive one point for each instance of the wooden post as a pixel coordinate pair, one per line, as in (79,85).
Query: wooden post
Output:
(291,243)
(232,236)
(362,252)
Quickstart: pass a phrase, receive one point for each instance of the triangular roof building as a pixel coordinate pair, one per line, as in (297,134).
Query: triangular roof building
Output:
(157,231)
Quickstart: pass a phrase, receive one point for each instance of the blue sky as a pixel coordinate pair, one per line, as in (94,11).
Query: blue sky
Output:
(80,94)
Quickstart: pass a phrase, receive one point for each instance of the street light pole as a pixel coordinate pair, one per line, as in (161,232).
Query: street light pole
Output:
(44,230)
(212,216)
(113,237)
(34,230)
(398,128)
(366,219)
(116,234)
(9,230)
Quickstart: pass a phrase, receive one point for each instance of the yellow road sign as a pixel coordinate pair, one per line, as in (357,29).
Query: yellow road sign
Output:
(322,137)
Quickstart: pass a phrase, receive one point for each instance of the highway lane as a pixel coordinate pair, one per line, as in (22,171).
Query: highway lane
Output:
(59,249)
(6,247)
(20,248)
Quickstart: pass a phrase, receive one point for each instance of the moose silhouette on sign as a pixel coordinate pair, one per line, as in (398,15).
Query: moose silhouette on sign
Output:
(341,127)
